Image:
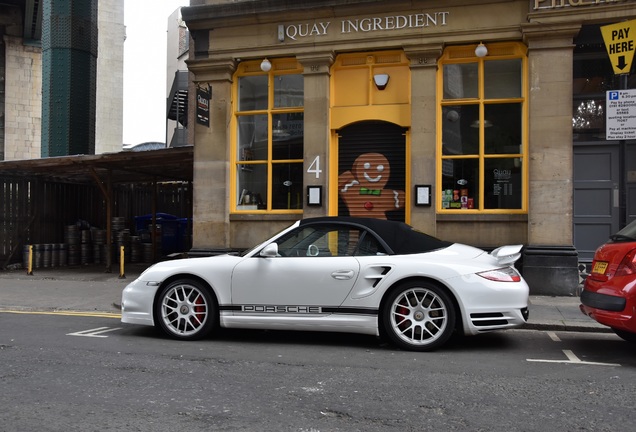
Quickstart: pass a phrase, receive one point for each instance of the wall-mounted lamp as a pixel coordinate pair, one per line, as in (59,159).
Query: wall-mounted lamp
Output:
(266,66)
(381,81)
(481,50)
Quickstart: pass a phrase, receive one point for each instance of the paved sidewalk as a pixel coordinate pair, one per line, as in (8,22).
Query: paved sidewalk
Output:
(91,289)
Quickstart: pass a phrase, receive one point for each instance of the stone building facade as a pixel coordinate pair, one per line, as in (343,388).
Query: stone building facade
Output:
(21,80)
(467,104)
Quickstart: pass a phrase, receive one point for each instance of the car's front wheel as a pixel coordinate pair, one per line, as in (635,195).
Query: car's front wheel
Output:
(185,310)
(418,316)
(628,336)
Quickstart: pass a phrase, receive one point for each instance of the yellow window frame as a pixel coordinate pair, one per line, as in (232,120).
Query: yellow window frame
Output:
(464,55)
(283,66)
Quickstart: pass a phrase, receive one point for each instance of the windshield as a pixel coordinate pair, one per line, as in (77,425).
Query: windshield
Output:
(626,234)
(248,251)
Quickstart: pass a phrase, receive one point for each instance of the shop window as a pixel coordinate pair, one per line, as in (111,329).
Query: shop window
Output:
(267,150)
(483,116)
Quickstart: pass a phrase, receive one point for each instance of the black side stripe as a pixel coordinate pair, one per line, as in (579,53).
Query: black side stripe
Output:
(229,308)
(334,310)
(350,310)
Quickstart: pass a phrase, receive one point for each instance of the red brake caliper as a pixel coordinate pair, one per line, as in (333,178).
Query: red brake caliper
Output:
(199,310)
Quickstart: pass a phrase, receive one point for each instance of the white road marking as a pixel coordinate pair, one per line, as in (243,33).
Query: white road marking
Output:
(553,336)
(96,332)
(572,359)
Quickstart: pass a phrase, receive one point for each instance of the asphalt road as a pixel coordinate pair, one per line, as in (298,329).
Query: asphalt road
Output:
(90,373)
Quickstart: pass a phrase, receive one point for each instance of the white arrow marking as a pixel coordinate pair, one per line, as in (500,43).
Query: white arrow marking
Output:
(96,332)
(572,359)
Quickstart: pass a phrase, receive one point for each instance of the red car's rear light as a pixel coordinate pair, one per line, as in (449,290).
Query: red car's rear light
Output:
(506,274)
(628,265)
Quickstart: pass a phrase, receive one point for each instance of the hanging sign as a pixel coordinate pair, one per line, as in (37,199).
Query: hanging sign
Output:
(620,42)
(620,117)
(203,106)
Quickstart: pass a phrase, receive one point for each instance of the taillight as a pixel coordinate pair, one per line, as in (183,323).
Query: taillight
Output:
(506,274)
(628,265)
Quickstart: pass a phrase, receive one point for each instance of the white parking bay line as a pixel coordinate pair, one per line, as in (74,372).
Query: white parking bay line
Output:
(572,359)
(553,336)
(96,332)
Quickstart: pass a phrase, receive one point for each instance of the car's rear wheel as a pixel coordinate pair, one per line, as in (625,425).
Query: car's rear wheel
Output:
(185,310)
(418,316)
(628,336)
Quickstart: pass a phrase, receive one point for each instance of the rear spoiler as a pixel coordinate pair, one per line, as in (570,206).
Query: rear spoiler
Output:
(507,255)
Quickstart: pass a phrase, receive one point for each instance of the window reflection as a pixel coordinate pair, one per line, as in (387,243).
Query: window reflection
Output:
(252,93)
(252,138)
(288,91)
(459,137)
(287,186)
(460,81)
(502,128)
(502,79)
(502,183)
(251,187)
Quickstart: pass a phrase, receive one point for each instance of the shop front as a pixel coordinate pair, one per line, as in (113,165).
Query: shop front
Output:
(454,116)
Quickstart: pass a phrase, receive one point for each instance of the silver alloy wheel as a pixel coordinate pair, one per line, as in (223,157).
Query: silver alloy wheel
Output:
(418,316)
(184,309)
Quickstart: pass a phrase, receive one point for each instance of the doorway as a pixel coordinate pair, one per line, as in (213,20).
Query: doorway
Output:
(372,170)
(596,196)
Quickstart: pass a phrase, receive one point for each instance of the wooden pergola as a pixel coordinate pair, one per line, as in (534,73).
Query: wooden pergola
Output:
(105,171)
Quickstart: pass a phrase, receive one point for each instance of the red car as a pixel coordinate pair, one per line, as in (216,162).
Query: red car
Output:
(609,294)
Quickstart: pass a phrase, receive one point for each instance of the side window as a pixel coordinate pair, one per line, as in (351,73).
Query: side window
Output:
(331,241)
(369,246)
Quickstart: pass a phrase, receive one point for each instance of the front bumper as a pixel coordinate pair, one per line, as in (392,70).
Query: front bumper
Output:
(137,302)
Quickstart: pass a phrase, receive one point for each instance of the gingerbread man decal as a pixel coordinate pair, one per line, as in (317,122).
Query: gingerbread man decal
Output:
(362,188)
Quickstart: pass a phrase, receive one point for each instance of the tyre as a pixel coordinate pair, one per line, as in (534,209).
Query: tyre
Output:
(628,336)
(185,310)
(418,316)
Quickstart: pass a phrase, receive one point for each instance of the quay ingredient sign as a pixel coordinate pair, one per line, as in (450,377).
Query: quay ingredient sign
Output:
(620,43)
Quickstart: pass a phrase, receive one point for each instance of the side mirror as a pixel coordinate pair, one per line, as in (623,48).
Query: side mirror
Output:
(270,251)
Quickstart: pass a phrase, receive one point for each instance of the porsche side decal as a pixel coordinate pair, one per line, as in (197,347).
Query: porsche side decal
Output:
(301,309)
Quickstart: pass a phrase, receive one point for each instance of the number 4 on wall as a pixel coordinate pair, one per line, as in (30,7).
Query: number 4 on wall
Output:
(315,167)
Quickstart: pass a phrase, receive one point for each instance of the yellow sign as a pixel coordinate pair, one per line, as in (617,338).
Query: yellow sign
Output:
(620,42)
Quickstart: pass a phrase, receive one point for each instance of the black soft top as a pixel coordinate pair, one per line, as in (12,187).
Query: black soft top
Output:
(400,238)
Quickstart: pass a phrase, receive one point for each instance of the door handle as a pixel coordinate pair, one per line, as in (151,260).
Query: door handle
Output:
(342,274)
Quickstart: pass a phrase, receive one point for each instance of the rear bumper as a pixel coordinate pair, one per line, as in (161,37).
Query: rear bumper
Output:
(481,322)
(603,301)
(610,310)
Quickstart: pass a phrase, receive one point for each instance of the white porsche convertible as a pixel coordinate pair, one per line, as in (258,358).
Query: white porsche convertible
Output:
(337,274)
